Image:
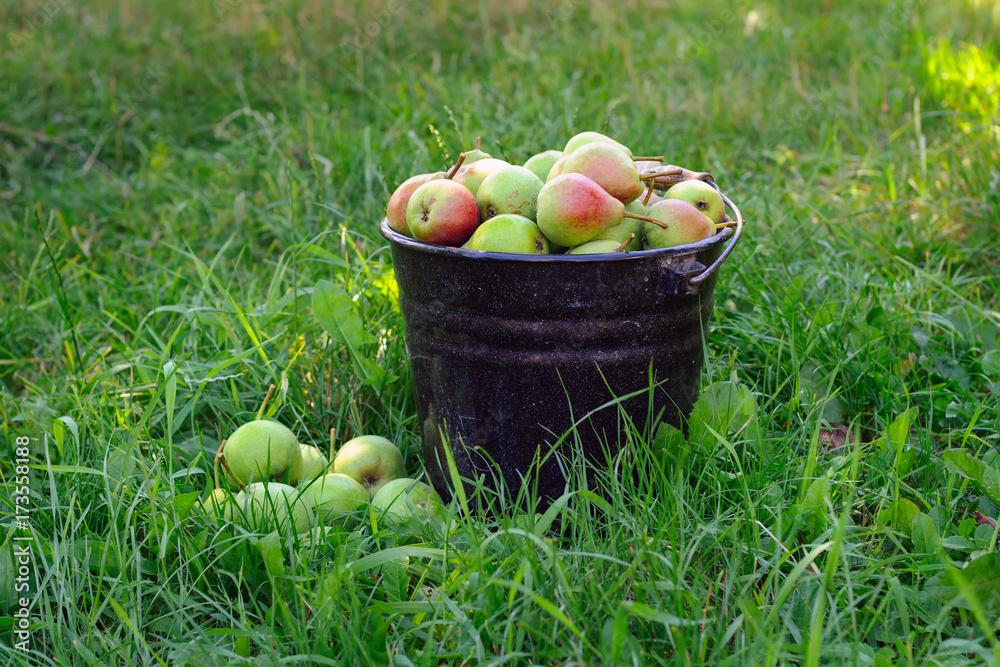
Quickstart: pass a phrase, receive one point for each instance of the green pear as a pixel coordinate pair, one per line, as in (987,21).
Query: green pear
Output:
(597,247)
(473,175)
(681,223)
(609,167)
(370,460)
(702,196)
(396,210)
(258,451)
(585,138)
(541,164)
(510,233)
(273,506)
(218,504)
(406,498)
(335,498)
(511,190)
(475,155)
(572,209)
(311,465)
(621,233)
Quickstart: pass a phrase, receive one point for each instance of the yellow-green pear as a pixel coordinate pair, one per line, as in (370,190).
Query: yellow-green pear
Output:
(260,450)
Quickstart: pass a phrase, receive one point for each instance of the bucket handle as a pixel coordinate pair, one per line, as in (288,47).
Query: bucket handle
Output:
(674,175)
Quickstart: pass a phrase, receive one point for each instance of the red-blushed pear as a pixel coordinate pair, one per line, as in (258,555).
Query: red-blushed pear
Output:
(511,190)
(472,176)
(678,223)
(396,210)
(584,138)
(509,233)
(702,196)
(573,209)
(442,212)
(557,167)
(370,460)
(541,163)
(609,167)
(335,498)
(405,498)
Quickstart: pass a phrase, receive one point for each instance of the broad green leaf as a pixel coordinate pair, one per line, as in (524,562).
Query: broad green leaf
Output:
(334,309)
(814,499)
(991,364)
(960,462)
(183,503)
(724,407)
(269,547)
(396,578)
(958,542)
(924,535)
(981,577)
(899,514)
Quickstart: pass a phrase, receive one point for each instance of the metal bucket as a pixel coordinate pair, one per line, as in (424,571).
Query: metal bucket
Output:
(508,352)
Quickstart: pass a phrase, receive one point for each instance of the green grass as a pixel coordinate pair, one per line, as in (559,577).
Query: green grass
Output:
(175,178)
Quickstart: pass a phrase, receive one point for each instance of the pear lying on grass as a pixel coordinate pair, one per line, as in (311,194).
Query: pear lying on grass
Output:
(335,499)
(370,460)
(406,498)
(218,505)
(309,466)
(273,506)
(258,451)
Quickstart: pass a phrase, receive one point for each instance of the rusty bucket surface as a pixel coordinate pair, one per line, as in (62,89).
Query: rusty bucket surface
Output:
(508,351)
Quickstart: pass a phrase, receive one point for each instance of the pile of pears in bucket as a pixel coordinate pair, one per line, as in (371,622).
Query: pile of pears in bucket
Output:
(588,198)
(275,483)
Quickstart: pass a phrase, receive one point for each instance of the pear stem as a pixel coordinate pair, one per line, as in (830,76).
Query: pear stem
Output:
(646,218)
(648,158)
(221,457)
(477,143)
(215,466)
(267,397)
(454,170)
(625,245)
(657,174)
(649,193)
(728,223)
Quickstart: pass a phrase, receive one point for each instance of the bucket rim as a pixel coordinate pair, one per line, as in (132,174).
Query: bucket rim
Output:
(434,249)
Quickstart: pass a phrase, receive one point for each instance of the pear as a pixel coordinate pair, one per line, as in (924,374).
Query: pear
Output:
(311,465)
(370,460)
(273,506)
(511,190)
(510,233)
(405,498)
(258,451)
(572,209)
(217,505)
(396,210)
(335,498)
(680,223)
(592,137)
(597,247)
(609,167)
(475,155)
(628,231)
(442,212)
(473,175)
(541,164)
(702,196)
(557,167)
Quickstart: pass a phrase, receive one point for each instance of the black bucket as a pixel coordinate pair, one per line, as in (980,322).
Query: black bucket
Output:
(509,351)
